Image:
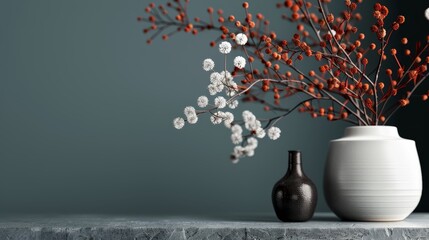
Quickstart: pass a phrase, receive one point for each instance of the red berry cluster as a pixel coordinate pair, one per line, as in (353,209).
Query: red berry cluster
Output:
(346,82)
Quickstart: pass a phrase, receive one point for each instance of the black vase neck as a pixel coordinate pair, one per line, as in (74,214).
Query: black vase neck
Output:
(295,167)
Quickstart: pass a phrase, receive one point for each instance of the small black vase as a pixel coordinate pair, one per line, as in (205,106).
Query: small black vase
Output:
(294,196)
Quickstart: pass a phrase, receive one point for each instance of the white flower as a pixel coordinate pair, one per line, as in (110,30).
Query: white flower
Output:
(202,101)
(233,86)
(427,13)
(239,62)
(260,133)
(215,77)
(221,114)
(274,133)
(192,119)
(241,39)
(236,138)
(216,118)
(230,91)
(252,125)
(228,119)
(179,123)
(252,143)
(189,111)
(219,86)
(212,89)
(333,32)
(250,121)
(225,47)
(249,152)
(220,102)
(230,81)
(208,64)
(237,129)
(234,159)
(238,151)
(226,77)
(233,104)
(191,115)
(248,116)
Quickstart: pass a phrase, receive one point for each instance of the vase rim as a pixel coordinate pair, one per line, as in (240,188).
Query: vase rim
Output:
(365,132)
(373,126)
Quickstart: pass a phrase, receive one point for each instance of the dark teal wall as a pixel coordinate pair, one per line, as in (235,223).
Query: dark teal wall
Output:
(86,111)
(413,120)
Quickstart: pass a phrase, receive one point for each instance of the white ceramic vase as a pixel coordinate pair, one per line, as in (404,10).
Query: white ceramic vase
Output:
(372,174)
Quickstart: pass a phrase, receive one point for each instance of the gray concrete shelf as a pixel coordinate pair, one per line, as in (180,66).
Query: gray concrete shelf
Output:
(259,226)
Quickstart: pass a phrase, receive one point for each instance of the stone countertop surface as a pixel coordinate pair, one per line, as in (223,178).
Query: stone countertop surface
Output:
(258,226)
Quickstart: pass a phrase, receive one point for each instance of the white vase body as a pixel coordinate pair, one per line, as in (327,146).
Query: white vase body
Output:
(372,174)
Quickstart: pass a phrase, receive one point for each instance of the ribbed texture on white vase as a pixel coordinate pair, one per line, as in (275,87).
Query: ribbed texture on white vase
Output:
(372,174)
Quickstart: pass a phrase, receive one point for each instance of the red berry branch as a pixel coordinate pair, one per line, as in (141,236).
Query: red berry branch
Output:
(351,78)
